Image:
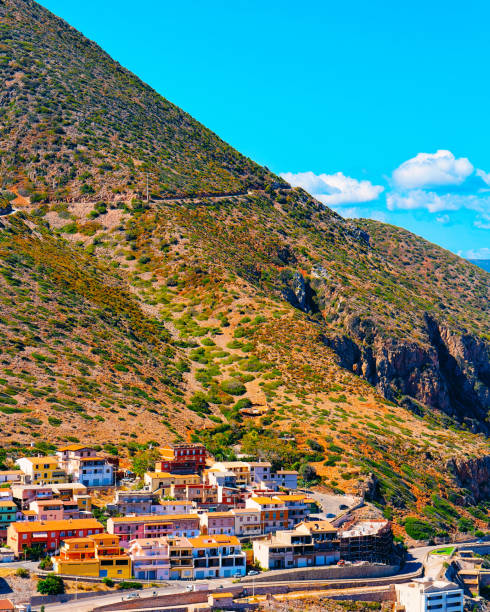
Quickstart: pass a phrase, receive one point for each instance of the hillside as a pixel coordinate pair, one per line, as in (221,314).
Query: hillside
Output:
(75,123)
(231,317)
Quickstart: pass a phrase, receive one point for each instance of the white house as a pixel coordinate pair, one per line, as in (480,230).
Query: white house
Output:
(83,465)
(426,595)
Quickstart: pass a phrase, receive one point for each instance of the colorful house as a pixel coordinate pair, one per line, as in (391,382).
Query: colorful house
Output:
(182,459)
(273,513)
(213,523)
(8,514)
(150,558)
(181,561)
(164,480)
(247,521)
(153,526)
(98,556)
(83,465)
(48,535)
(218,556)
(42,470)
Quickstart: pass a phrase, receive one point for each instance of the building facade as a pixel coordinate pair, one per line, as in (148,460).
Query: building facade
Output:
(41,470)
(153,526)
(218,556)
(150,558)
(182,459)
(48,535)
(95,556)
(426,595)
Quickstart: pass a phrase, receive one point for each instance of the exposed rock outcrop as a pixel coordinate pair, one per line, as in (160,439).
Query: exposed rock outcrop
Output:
(300,294)
(473,475)
(448,372)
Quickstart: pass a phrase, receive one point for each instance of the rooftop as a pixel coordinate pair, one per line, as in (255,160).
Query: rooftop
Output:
(94,458)
(8,504)
(291,497)
(324,526)
(89,523)
(45,459)
(72,447)
(264,501)
(207,541)
(153,518)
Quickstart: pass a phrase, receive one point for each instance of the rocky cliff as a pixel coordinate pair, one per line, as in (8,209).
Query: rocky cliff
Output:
(447,371)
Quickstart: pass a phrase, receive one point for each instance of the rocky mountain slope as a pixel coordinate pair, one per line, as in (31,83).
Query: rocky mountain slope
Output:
(229,306)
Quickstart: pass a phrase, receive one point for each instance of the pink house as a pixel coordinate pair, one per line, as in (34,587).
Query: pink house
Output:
(216,523)
(153,526)
(47,509)
(150,558)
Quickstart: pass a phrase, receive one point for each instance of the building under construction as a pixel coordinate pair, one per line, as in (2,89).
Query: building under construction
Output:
(370,540)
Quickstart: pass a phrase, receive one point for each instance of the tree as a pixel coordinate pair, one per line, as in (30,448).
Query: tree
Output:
(51,585)
(144,461)
(307,472)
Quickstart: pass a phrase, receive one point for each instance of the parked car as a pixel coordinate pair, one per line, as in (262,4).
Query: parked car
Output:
(253,573)
(133,596)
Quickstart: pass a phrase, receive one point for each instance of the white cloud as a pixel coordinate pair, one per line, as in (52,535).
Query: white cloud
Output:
(485,176)
(483,221)
(483,253)
(431,170)
(443,219)
(434,202)
(334,189)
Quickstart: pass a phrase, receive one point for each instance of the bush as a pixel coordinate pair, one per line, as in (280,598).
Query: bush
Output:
(233,387)
(126,584)
(46,564)
(314,445)
(419,529)
(108,582)
(199,403)
(51,585)
(22,572)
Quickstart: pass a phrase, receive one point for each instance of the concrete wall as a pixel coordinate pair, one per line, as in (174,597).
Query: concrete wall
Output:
(329,572)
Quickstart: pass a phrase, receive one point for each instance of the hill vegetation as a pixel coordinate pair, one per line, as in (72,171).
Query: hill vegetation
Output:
(229,307)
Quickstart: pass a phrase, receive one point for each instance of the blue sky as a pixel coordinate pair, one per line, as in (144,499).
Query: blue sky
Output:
(379,108)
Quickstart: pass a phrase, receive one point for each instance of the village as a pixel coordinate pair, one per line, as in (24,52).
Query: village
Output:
(193,518)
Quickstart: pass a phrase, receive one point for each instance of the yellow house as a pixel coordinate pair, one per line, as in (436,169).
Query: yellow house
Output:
(42,470)
(97,556)
(164,480)
(84,502)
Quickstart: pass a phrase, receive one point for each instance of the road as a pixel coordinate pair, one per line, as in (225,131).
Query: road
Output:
(86,605)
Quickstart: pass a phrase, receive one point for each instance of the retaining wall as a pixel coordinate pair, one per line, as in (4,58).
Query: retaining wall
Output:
(328,572)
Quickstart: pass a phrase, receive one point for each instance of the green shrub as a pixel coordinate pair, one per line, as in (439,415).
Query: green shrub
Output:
(51,585)
(419,529)
(233,386)
(126,584)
